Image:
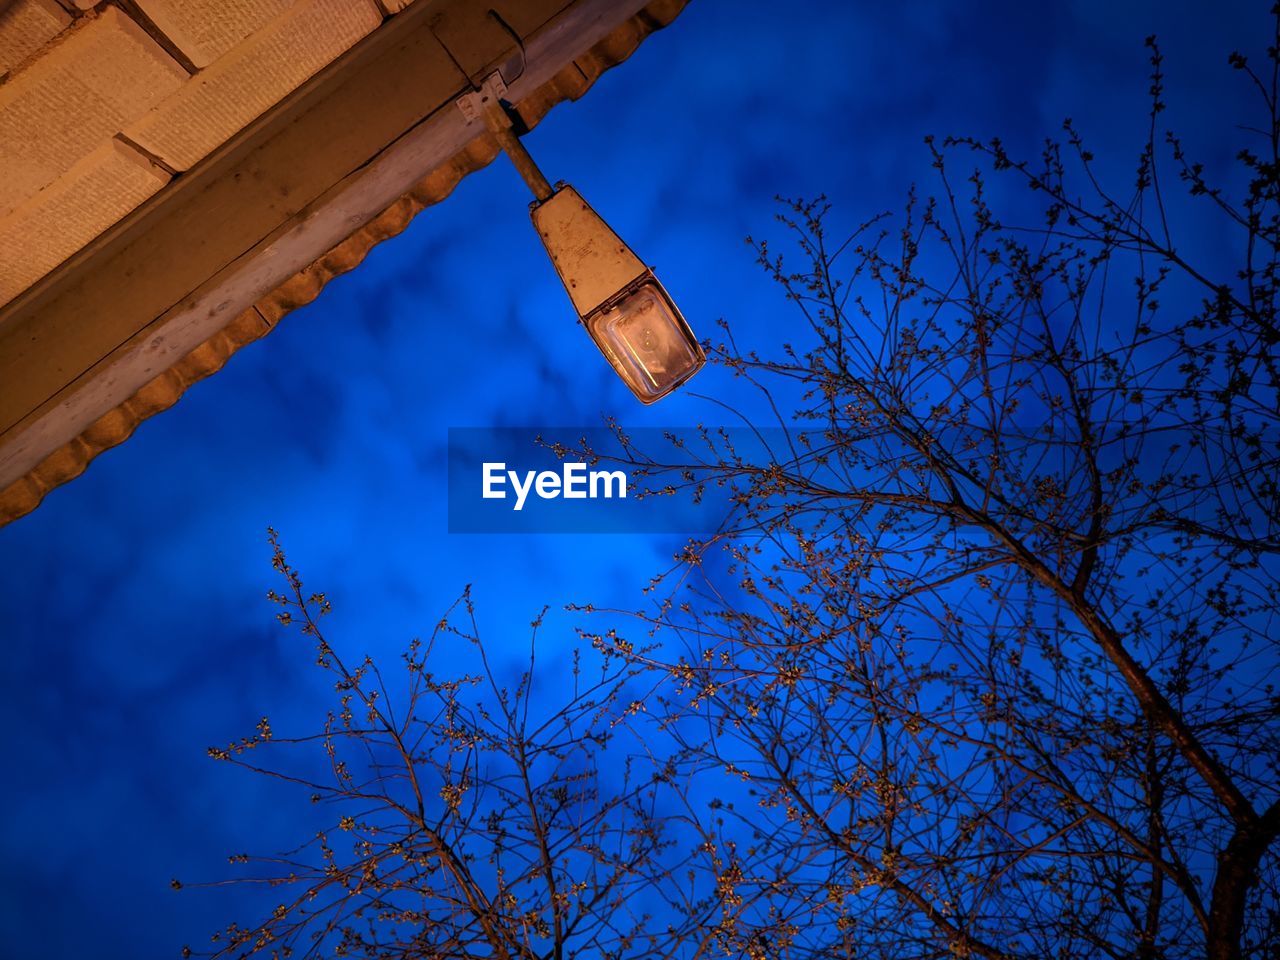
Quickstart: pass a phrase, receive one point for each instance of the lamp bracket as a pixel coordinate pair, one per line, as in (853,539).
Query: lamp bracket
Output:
(473,103)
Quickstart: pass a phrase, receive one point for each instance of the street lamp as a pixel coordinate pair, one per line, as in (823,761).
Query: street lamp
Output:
(627,312)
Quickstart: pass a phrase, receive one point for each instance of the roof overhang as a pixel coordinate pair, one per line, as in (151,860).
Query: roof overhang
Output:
(212,261)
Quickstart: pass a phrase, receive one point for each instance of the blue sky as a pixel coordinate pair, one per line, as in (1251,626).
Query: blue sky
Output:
(132,606)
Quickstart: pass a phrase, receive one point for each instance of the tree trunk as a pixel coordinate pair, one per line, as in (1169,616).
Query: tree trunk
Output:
(1237,874)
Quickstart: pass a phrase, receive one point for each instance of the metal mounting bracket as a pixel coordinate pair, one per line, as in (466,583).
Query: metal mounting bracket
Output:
(474,104)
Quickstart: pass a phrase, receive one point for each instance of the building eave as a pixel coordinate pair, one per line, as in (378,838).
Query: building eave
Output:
(243,299)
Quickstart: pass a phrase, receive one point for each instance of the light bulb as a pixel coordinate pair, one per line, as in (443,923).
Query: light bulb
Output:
(646,340)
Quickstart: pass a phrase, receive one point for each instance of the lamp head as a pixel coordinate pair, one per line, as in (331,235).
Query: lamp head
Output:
(628,314)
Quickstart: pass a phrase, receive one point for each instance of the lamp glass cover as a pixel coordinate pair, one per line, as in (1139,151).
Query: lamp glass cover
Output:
(648,342)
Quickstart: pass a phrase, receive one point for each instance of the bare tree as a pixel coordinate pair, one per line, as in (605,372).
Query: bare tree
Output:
(984,663)
(992,641)
(471,817)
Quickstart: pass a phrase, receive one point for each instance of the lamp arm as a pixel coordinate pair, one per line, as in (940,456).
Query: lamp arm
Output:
(487,104)
(499,124)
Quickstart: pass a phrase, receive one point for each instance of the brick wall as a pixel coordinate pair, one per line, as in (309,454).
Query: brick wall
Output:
(101,105)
